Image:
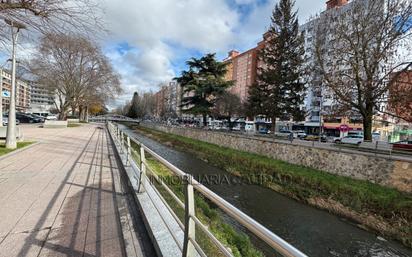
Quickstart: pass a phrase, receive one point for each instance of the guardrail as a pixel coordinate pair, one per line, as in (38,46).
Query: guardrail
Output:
(190,247)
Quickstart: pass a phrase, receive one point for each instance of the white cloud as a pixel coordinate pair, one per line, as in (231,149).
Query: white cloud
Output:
(157,28)
(154,26)
(205,25)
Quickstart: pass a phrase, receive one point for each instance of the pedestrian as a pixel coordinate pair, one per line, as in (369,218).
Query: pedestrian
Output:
(290,137)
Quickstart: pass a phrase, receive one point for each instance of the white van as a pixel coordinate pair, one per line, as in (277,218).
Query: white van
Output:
(250,126)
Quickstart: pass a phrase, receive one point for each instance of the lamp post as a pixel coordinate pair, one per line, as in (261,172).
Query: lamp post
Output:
(11,127)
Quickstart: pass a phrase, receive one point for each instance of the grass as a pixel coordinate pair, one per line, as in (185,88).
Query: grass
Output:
(4,150)
(238,242)
(304,184)
(73,125)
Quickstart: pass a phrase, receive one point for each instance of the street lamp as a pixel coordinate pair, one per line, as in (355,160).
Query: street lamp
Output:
(11,127)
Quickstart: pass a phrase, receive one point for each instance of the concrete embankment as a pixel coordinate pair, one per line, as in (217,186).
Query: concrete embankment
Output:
(387,171)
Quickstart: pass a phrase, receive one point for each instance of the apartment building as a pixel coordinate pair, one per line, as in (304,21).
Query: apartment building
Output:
(242,69)
(22,92)
(319,102)
(42,101)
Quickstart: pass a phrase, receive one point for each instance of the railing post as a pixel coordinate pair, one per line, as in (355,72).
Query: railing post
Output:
(117,134)
(190,226)
(121,141)
(140,188)
(129,151)
(376,147)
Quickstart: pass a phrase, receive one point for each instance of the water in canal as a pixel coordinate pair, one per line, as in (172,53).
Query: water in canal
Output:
(315,232)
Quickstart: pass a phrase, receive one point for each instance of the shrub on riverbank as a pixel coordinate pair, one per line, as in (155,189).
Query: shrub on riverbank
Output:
(386,210)
(238,242)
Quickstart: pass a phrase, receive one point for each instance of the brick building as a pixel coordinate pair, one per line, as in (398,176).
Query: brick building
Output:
(242,69)
(22,92)
(400,96)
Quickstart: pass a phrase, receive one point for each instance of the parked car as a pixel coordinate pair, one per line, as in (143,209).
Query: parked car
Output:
(35,116)
(405,145)
(26,118)
(6,121)
(51,117)
(299,134)
(352,139)
(250,126)
(263,131)
(284,133)
(376,136)
(323,139)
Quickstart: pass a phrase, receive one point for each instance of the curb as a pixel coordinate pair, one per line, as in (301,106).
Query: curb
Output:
(19,150)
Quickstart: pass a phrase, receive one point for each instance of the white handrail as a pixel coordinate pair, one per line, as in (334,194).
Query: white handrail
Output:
(277,243)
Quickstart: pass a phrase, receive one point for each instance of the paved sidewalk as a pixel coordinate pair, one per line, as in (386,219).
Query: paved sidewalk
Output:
(63,197)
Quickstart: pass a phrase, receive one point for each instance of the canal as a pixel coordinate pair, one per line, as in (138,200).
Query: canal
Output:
(315,232)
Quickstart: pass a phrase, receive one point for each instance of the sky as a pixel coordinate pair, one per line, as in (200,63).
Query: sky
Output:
(149,41)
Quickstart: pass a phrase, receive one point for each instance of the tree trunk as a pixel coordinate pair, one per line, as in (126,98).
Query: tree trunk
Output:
(367,123)
(273,129)
(204,120)
(86,118)
(73,107)
(367,127)
(81,113)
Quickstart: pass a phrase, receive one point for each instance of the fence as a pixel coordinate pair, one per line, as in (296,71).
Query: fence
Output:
(190,247)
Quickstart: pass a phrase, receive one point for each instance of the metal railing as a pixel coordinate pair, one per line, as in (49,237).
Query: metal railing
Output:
(138,162)
(112,117)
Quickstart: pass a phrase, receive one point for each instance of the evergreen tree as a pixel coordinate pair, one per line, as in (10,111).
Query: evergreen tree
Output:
(202,84)
(279,89)
(134,109)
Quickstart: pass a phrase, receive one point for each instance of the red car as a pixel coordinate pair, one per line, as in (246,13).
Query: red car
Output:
(403,145)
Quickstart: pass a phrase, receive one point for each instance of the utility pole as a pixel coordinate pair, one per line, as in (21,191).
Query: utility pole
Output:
(11,126)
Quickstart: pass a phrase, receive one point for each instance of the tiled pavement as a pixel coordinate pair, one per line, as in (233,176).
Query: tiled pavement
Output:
(63,197)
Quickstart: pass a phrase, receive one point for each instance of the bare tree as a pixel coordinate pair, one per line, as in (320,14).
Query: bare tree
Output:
(76,71)
(227,106)
(359,48)
(52,16)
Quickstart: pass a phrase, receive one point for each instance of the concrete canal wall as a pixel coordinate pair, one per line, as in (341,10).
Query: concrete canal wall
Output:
(388,171)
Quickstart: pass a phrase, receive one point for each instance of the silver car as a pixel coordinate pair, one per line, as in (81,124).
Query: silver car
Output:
(6,121)
(352,139)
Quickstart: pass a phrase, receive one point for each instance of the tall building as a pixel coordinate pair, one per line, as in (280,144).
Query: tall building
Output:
(319,100)
(42,101)
(242,69)
(22,92)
